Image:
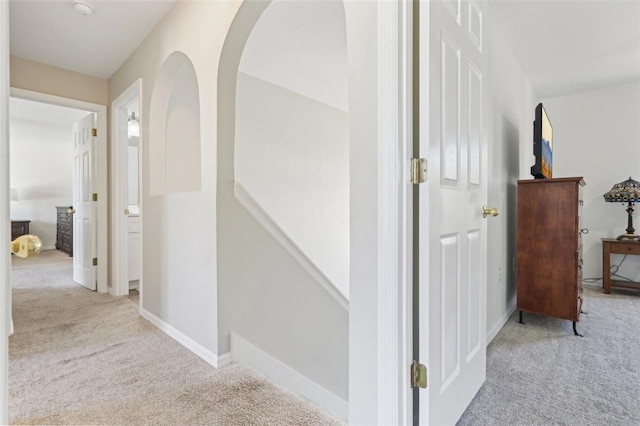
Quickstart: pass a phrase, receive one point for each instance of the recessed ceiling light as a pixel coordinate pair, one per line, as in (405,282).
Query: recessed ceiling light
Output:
(82,8)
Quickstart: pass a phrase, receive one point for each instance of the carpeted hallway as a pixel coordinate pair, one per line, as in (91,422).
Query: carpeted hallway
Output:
(79,357)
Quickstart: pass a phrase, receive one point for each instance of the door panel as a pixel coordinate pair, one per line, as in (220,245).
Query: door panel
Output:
(84,229)
(452,232)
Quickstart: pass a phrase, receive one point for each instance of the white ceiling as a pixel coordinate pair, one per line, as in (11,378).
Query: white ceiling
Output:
(563,45)
(567,46)
(52,32)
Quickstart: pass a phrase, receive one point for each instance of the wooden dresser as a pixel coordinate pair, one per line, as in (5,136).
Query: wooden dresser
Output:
(549,247)
(64,235)
(18,228)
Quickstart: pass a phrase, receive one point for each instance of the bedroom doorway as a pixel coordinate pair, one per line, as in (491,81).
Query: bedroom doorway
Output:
(97,184)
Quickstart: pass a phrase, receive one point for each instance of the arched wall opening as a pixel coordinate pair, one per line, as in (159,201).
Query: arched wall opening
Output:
(272,307)
(291,145)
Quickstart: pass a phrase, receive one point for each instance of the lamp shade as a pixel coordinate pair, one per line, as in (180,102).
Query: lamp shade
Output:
(627,191)
(14,194)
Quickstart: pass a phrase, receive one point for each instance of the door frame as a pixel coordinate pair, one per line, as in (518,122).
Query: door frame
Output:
(5,231)
(395,227)
(101,172)
(381,299)
(119,189)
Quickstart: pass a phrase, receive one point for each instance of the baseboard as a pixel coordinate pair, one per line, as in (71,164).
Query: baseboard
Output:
(501,322)
(254,357)
(184,340)
(225,359)
(49,248)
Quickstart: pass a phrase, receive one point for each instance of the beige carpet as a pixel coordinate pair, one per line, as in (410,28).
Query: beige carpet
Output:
(78,357)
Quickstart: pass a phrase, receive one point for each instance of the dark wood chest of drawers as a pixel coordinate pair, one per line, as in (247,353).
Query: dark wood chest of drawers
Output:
(549,247)
(19,227)
(64,236)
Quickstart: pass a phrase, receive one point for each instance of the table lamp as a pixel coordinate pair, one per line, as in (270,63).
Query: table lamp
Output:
(626,192)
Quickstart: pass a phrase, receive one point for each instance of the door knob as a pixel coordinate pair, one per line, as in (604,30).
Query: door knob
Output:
(486,211)
(26,245)
(126,212)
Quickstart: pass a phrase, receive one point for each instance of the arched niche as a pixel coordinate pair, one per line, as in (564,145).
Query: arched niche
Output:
(174,129)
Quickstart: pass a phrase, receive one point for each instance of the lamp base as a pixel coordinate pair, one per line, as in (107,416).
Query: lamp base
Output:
(629,237)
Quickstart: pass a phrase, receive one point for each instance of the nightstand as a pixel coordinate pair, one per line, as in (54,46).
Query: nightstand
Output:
(19,227)
(612,246)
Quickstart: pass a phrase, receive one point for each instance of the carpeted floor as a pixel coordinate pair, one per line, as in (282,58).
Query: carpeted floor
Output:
(541,374)
(79,357)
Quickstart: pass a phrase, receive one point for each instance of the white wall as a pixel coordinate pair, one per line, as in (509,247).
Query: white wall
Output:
(42,172)
(179,273)
(510,114)
(292,156)
(210,271)
(595,135)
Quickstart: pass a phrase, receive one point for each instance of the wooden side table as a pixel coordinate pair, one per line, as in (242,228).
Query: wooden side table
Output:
(612,246)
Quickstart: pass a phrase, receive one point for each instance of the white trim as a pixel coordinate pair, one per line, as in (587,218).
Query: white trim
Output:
(101,164)
(395,145)
(5,236)
(186,341)
(253,207)
(225,359)
(119,201)
(254,357)
(491,334)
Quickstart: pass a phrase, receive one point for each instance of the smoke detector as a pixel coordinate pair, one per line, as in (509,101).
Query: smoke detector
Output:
(83,8)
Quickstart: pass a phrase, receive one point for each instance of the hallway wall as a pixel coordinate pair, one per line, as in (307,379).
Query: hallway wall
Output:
(292,157)
(209,269)
(179,272)
(511,103)
(42,78)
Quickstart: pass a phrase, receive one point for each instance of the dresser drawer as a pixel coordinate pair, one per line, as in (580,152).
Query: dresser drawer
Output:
(64,229)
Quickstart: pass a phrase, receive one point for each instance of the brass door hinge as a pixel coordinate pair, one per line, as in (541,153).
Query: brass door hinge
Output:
(95,261)
(94,132)
(418,170)
(418,375)
(95,196)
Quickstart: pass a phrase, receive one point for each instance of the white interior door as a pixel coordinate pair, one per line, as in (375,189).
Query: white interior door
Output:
(84,217)
(452,229)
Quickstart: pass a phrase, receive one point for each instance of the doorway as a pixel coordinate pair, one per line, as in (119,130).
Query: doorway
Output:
(125,184)
(99,181)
